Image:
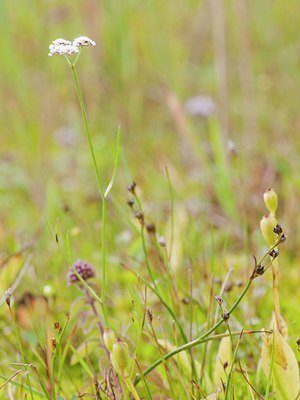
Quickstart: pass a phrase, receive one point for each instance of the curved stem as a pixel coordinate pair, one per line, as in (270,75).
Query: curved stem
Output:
(275,272)
(258,270)
(200,339)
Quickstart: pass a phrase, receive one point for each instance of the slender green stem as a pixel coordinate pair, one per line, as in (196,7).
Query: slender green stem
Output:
(131,388)
(21,385)
(256,272)
(232,364)
(87,129)
(168,308)
(21,350)
(275,274)
(66,251)
(145,382)
(169,279)
(171,191)
(100,185)
(41,381)
(144,244)
(103,238)
(271,367)
(199,340)
(54,358)
(146,256)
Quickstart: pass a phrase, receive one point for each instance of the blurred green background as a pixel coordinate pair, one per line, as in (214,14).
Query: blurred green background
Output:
(151,58)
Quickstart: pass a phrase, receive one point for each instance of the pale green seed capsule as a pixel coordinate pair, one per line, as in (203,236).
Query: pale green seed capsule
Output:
(285,370)
(271,201)
(109,339)
(224,357)
(267,225)
(120,357)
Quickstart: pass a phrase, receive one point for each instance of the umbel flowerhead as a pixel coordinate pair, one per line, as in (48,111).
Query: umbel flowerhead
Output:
(63,47)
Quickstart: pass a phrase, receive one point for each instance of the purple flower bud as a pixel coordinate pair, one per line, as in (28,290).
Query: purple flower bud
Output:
(84,269)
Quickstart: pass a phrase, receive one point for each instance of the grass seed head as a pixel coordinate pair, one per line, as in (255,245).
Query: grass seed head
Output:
(130,203)
(53,342)
(151,228)
(140,217)
(131,187)
(8,297)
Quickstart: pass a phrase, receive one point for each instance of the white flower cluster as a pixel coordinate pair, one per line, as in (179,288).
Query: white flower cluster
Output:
(83,41)
(64,47)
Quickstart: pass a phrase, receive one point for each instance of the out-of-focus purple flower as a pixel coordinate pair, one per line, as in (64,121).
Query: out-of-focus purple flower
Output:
(202,106)
(84,269)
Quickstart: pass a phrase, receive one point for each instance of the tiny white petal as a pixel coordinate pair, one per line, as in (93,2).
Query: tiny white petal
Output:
(60,41)
(62,47)
(83,41)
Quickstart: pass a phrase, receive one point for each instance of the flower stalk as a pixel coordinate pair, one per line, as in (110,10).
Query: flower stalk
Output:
(67,48)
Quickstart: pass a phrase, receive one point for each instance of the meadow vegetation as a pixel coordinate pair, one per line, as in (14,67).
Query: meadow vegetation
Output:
(142,252)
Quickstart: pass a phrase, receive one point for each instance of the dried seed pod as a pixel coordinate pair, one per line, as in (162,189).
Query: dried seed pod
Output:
(274,253)
(131,187)
(56,325)
(130,203)
(226,316)
(140,217)
(151,228)
(53,342)
(278,229)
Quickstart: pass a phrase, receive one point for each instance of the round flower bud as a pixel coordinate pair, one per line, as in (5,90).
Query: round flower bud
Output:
(48,290)
(271,201)
(120,357)
(267,225)
(109,338)
(84,269)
